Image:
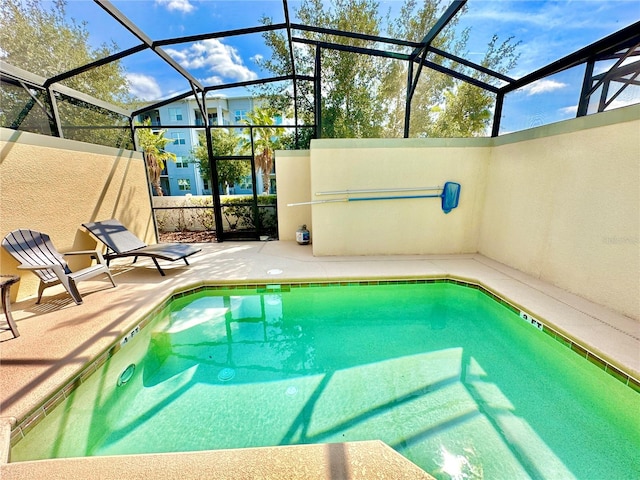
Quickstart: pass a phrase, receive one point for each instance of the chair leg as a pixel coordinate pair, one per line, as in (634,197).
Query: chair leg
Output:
(41,288)
(111,278)
(158,266)
(73,291)
(6,307)
(185,260)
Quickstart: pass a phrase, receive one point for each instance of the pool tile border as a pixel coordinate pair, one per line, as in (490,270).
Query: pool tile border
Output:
(22,427)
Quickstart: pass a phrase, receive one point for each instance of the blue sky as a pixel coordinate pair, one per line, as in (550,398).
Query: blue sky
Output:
(547,31)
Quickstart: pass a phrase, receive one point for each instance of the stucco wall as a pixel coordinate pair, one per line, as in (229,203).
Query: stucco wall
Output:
(402,226)
(559,202)
(293,172)
(564,205)
(54,185)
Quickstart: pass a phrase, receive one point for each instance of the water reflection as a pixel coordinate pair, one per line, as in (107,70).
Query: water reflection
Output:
(245,332)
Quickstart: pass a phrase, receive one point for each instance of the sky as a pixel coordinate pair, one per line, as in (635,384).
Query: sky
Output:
(546,30)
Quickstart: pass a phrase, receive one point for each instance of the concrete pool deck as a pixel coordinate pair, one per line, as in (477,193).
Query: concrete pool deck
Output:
(58,338)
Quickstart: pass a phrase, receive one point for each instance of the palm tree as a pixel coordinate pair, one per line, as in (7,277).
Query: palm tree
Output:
(153,147)
(266,139)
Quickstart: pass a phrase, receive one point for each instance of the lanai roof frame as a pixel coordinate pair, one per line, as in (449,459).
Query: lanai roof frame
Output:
(627,38)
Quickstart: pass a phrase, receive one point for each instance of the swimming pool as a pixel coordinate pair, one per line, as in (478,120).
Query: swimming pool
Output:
(448,377)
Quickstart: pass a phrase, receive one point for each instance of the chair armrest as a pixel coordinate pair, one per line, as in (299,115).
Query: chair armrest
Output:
(94,253)
(57,269)
(36,267)
(81,252)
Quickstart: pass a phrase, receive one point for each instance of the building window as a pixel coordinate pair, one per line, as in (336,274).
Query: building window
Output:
(241,115)
(184,184)
(213,118)
(178,138)
(246,183)
(205,184)
(175,114)
(153,117)
(181,162)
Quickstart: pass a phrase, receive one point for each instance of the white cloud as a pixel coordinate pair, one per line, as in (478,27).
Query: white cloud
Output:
(545,16)
(569,111)
(548,30)
(144,86)
(257,58)
(184,6)
(217,58)
(213,80)
(543,86)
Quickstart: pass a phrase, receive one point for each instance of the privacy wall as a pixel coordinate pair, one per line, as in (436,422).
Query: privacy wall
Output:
(294,186)
(54,185)
(562,203)
(559,202)
(396,225)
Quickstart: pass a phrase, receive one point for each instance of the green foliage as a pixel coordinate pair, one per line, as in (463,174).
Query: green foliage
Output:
(303,141)
(365,96)
(42,41)
(224,143)
(266,139)
(240,213)
(264,200)
(204,216)
(351,103)
(61,46)
(465,110)
(153,146)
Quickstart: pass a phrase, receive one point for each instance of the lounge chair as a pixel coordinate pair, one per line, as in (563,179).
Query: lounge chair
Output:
(121,242)
(35,251)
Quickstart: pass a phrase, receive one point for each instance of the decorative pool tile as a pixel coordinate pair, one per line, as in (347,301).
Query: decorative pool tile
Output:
(579,350)
(613,371)
(16,435)
(597,361)
(53,402)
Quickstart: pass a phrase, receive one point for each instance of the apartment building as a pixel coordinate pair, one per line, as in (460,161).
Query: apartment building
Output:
(183,176)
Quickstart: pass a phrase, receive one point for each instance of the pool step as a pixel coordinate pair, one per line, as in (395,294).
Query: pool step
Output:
(368,460)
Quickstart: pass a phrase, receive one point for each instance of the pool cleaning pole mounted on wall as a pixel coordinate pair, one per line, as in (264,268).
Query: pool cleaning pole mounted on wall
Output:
(450,195)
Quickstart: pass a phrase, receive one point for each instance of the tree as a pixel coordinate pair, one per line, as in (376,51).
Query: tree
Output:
(350,81)
(153,146)
(43,41)
(364,96)
(224,143)
(266,139)
(443,106)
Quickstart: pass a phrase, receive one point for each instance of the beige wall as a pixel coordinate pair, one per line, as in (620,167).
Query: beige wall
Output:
(402,226)
(54,185)
(564,205)
(293,181)
(559,202)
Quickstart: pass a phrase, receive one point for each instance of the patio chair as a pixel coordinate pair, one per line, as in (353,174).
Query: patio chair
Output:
(35,251)
(121,242)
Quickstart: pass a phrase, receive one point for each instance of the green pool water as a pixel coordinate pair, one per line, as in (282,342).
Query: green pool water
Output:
(451,379)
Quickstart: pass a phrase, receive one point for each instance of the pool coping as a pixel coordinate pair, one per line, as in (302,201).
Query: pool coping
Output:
(21,427)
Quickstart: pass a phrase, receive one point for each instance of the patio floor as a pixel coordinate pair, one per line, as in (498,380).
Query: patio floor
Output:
(57,338)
